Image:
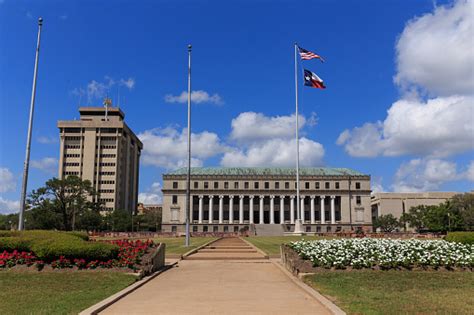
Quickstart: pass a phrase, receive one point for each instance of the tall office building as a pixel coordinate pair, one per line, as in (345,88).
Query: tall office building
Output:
(100,147)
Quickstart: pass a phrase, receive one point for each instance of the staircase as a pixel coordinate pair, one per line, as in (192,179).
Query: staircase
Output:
(269,230)
(228,248)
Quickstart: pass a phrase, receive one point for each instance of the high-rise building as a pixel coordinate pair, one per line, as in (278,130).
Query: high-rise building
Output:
(101,148)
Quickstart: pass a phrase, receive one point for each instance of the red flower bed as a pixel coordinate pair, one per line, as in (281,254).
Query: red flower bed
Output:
(130,253)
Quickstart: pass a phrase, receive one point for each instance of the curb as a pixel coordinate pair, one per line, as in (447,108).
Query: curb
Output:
(333,308)
(102,305)
(265,255)
(192,251)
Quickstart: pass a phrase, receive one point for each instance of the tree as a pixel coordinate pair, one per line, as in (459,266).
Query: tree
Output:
(387,223)
(64,200)
(120,220)
(463,205)
(415,217)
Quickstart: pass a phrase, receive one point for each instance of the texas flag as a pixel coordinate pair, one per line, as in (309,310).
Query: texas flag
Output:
(312,80)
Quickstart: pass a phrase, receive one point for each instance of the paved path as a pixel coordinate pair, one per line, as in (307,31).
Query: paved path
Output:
(219,286)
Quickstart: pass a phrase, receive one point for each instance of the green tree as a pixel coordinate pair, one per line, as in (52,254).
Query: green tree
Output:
(120,221)
(415,217)
(463,205)
(387,223)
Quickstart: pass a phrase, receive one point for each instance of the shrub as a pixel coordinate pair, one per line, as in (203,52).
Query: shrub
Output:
(461,237)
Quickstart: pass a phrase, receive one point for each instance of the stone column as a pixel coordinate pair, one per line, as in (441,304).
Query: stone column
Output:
(282,209)
(231,209)
(241,209)
(302,208)
(333,210)
(323,214)
(251,209)
(272,210)
(260,210)
(292,209)
(221,209)
(313,220)
(200,209)
(211,214)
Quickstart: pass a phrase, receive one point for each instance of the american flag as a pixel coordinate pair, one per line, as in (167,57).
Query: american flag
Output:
(308,55)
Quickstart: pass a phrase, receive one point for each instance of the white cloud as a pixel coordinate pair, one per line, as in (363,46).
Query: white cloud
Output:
(436,51)
(99,89)
(168,147)
(470,172)
(47,164)
(9,206)
(7,180)
(47,140)
(424,175)
(276,152)
(29,14)
(152,196)
(197,97)
(129,83)
(439,127)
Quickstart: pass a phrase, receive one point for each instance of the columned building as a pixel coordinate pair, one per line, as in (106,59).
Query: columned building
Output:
(229,199)
(101,148)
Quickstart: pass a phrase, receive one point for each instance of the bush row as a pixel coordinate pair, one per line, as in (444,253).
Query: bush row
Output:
(461,237)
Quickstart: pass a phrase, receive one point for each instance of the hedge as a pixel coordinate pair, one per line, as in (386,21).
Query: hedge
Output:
(50,245)
(461,237)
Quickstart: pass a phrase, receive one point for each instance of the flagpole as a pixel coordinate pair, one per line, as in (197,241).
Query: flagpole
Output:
(298,227)
(21,219)
(188,177)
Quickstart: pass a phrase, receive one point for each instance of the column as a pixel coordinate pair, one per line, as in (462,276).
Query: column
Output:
(231,209)
(313,220)
(200,209)
(323,214)
(272,210)
(282,209)
(221,209)
(251,209)
(292,209)
(241,209)
(333,210)
(211,203)
(302,208)
(260,210)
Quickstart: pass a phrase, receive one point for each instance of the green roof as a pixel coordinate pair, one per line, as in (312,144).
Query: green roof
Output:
(284,171)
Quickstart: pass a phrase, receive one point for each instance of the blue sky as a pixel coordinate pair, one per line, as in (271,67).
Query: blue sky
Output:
(393,108)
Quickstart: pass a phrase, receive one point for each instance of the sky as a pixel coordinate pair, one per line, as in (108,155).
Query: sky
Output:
(399,102)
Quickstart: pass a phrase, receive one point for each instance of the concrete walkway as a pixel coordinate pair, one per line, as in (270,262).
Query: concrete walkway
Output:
(220,286)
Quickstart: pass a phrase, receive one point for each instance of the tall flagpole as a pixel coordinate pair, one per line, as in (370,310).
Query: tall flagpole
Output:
(298,227)
(188,177)
(21,220)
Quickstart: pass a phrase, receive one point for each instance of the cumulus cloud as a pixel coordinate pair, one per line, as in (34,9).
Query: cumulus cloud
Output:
(9,206)
(152,196)
(47,164)
(168,147)
(197,97)
(424,175)
(7,180)
(99,89)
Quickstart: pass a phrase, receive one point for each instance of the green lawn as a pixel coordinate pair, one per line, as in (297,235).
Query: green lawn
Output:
(397,292)
(271,244)
(49,292)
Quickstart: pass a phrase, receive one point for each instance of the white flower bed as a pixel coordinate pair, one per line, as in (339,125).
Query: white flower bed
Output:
(386,253)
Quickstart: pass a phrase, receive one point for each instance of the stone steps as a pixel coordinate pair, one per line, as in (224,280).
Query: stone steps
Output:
(227,249)
(249,250)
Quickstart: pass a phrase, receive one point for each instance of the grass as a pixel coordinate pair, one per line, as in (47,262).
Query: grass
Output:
(52,292)
(397,292)
(271,244)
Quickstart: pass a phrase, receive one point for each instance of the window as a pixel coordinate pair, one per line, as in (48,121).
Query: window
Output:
(175,199)
(357,185)
(277,185)
(267,185)
(226,228)
(318,229)
(175,185)
(326,185)
(236,185)
(236,229)
(255,185)
(215,228)
(316,185)
(337,185)
(308,228)
(358,200)
(195,228)
(174,229)
(328,229)
(287,185)
(216,185)
(226,185)
(306,185)
(206,185)
(205,228)
(196,185)
(338,229)
(246,185)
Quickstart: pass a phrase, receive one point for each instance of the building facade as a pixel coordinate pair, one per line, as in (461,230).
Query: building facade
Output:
(229,199)
(101,148)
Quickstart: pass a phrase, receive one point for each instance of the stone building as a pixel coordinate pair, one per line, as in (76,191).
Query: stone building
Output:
(101,148)
(228,199)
